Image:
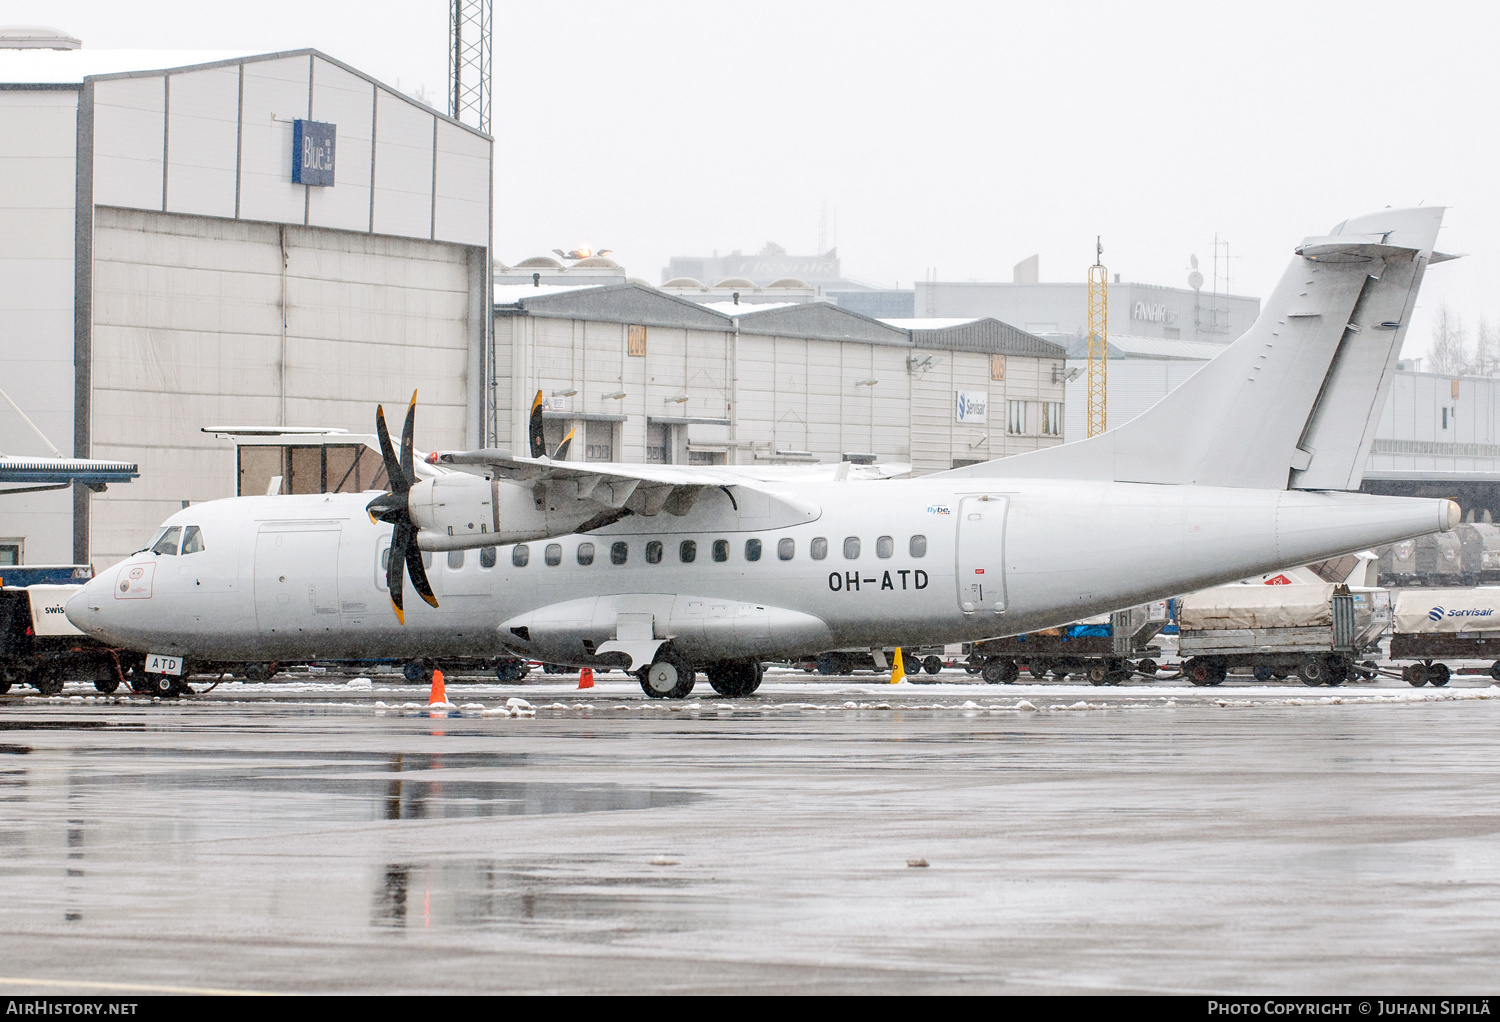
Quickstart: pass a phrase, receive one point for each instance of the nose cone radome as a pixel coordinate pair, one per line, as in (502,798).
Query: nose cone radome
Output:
(83,607)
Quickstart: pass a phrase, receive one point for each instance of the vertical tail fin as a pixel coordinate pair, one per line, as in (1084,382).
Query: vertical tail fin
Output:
(1293,403)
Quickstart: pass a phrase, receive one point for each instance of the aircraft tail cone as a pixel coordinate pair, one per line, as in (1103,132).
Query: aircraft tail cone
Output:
(586,678)
(898,672)
(439,695)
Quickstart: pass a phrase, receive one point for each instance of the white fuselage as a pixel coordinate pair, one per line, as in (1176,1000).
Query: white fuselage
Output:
(301,577)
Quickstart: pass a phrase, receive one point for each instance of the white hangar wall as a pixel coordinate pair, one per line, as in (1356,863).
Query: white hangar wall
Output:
(201,322)
(196,284)
(36,305)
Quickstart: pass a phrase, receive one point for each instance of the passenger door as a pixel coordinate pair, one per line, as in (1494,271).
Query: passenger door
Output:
(981,553)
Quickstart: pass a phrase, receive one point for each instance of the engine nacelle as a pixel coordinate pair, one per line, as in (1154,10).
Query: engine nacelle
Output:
(459,511)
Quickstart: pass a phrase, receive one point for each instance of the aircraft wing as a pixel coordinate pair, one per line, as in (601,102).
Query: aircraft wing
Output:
(601,492)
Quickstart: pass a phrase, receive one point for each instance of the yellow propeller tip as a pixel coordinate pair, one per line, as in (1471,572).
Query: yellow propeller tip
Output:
(431,600)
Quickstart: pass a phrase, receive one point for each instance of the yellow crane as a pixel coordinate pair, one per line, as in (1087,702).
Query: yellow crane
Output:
(1098,343)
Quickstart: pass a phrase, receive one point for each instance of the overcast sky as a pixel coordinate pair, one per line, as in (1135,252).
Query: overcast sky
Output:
(950,137)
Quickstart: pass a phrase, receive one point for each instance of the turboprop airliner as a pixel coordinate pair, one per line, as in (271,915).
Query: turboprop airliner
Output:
(1247,467)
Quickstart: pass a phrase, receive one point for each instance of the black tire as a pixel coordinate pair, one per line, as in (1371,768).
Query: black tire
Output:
(829,664)
(1000,672)
(1198,671)
(163,685)
(1313,671)
(1367,670)
(257,672)
(670,676)
(4,686)
(1098,674)
(734,680)
(1495,670)
(1262,674)
(932,664)
(47,684)
(1148,667)
(974,666)
(1437,675)
(107,685)
(1414,675)
(1039,669)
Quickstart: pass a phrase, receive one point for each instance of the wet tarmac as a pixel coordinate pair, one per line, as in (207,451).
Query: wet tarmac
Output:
(320,834)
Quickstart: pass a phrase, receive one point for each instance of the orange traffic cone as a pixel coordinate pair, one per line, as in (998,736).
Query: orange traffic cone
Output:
(586,678)
(439,695)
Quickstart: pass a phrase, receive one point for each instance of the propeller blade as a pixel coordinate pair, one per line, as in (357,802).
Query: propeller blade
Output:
(418,573)
(562,448)
(401,537)
(409,437)
(394,479)
(538,438)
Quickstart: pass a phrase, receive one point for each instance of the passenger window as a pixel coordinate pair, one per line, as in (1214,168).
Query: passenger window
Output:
(653,552)
(553,554)
(455,560)
(818,548)
(520,556)
(885,546)
(918,546)
(721,549)
(752,549)
(168,543)
(687,553)
(192,540)
(618,552)
(486,557)
(851,548)
(786,549)
(385,559)
(585,553)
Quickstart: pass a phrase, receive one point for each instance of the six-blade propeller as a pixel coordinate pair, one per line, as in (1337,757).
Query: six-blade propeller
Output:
(391,507)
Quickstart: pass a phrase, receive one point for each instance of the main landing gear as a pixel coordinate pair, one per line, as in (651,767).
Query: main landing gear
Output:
(669,676)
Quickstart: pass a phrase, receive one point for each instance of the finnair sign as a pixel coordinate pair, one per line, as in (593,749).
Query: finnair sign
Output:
(970,406)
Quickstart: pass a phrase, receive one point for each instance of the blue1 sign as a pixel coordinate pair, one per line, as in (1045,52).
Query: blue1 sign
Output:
(312,152)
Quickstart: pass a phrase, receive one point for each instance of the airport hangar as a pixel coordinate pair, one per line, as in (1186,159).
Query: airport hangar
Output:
(647,376)
(166,265)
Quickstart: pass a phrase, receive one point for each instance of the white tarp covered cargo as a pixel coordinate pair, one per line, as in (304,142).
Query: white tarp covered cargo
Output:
(1241,606)
(1448,611)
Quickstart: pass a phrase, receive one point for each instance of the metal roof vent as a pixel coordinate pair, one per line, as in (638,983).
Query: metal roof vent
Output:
(36,37)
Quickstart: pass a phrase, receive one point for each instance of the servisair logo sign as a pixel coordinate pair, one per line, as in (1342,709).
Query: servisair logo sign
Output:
(970,406)
(1438,613)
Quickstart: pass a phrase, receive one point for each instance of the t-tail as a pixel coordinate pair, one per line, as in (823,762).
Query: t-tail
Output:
(1294,402)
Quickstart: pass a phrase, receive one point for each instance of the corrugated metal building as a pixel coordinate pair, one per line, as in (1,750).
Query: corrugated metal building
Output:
(171,259)
(646,376)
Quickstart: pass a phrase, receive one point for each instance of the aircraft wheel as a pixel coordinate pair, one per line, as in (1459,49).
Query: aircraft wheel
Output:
(932,664)
(1414,675)
(1437,675)
(1312,671)
(107,685)
(735,680)
(1495,670)
(1098,674)
(163,685)
(670,677)
(1147,667)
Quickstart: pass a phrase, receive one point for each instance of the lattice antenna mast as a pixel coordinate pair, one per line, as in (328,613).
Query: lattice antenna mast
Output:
(1098,343)
(469,23)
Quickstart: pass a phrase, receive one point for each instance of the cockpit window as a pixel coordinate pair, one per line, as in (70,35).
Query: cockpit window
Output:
(192,540)
(168,542)
(158,534)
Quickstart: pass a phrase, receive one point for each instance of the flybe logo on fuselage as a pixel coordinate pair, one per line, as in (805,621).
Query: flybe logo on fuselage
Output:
(1438,613)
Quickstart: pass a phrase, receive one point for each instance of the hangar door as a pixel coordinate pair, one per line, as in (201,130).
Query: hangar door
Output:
(981,553)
